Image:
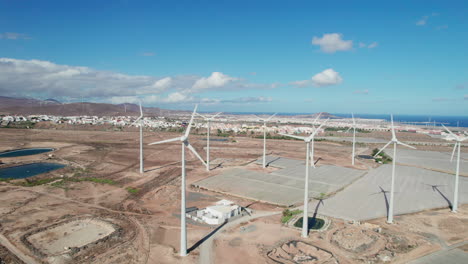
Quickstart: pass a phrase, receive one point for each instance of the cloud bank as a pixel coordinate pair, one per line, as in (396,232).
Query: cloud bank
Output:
(46,79)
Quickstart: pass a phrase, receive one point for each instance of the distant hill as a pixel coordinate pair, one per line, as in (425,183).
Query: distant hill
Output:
(27,106)
(323,115)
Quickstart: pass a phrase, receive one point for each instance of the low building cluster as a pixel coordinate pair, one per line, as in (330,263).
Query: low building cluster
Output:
(239,125)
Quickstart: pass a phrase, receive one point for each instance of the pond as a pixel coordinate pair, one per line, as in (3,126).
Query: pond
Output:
(314,223)
(28,170)
(24,152)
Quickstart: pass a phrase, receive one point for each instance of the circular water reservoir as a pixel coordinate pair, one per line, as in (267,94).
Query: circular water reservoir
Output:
(28,170)
(24,152)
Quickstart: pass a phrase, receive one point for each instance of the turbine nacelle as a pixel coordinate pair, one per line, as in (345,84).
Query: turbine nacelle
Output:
(394,140)
(184,138)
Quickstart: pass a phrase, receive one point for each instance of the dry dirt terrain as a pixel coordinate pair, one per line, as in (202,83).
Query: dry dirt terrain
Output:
(100,209)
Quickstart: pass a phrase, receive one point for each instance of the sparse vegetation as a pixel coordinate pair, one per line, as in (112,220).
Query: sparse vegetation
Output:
(132,190)
(382,157)
(21,125)
(32,183)
(62,182)
(288,214)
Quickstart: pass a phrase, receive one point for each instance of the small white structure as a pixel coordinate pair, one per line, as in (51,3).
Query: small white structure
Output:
(218,213)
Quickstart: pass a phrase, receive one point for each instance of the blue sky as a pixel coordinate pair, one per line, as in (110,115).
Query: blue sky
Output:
(404,57)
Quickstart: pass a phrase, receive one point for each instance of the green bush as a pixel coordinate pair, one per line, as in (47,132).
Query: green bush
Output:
(288,214)
(132,190)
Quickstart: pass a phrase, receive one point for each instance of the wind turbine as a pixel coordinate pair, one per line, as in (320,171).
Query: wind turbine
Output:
(208,119)
(185,143)
(264,136)
(307,140)
(458,142)
(395,142)
(312,161)
(140,118)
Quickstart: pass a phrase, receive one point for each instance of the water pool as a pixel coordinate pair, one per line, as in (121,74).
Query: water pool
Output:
(28,170)
(24,152)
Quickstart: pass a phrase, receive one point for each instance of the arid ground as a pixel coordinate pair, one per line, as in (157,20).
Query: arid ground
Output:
(100,209)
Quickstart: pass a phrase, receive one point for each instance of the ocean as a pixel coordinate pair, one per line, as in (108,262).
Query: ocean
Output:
(452,121)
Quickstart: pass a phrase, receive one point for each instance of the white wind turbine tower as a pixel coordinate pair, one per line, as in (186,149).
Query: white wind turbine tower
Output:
(140,118)
(354,139)
(305,217)
(208,119)
(264,136)
(312,161)
(395,142)
(458,142)
(185,143)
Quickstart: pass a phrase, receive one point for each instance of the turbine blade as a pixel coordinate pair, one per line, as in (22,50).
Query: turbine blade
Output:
(376,154)
(165,141)
(204,117)
(141,110)
(348,129)
(354,122)
(453,152)
(393,128)
(455,136)
(138,119)
(187,144)
(187,131)
(258,118)
(316,118)
(406,145)
(269,118)
(316,130)
(215,115)
(293,136)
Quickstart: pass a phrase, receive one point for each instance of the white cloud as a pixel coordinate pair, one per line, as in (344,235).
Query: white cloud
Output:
(442,99)
(325,78)
(442,27)
(148,54)
(19,77)
(333,42)
(361,91)
(248,100)
(178,97)
(215,80)
(13,36)
(123,99)
(163,83)
(422,21)
(37,78)
(370,46)
(373,45)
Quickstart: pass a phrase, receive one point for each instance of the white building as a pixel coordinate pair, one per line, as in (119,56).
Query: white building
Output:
(217,214)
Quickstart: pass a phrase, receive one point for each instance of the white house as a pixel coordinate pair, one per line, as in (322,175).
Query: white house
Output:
(217,214)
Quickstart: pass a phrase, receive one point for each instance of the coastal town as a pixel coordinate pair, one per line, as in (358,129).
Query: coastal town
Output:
(235,124)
